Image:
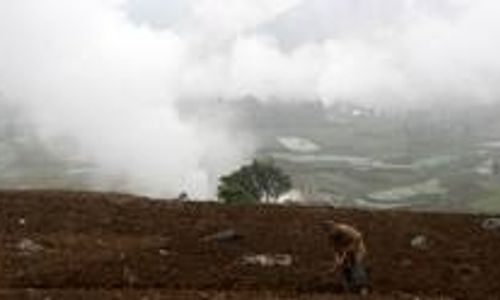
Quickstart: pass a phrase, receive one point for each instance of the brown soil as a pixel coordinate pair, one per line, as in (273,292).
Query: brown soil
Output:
(72,245)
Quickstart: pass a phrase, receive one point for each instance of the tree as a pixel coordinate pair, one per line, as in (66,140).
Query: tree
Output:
(258,181)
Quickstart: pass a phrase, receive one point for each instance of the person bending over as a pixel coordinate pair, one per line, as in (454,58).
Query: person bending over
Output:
(349,256)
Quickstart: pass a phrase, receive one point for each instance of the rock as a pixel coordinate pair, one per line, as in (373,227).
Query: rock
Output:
(204,295)
(183,196)
(21,221)
(268,260)
(129,276)
(420,242)
(491,224)
(122,256)
(223,236)
(406,263)
(27,247)
(163,252)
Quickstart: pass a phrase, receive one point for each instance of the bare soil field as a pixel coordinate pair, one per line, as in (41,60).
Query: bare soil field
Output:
(82,245)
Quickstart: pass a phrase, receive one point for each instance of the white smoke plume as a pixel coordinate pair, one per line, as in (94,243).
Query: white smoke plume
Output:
(82,69)
(111,72)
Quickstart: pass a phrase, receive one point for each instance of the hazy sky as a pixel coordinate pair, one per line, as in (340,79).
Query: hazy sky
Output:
(110,73)
(304,21)
(371,51)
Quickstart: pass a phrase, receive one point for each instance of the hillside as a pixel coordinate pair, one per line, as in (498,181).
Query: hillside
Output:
(79,245)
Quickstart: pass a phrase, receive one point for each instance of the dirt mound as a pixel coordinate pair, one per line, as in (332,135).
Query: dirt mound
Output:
(69,241)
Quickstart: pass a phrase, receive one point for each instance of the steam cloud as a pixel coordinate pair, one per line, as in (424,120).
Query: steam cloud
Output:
(111,72)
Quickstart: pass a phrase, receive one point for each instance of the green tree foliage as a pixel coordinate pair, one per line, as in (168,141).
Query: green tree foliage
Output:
(258,181)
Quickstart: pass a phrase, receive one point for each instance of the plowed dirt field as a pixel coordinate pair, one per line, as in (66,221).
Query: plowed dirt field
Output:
(82,245)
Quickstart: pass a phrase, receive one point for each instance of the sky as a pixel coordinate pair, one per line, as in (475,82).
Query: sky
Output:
(111,73)
(377,52)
